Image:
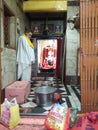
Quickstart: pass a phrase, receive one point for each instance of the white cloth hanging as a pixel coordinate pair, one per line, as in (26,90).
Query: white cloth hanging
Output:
(25,58)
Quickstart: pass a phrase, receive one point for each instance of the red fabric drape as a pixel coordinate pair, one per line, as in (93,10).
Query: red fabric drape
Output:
(45,54)
(57,72)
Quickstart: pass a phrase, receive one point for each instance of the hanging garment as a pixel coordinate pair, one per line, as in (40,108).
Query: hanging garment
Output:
(25,57)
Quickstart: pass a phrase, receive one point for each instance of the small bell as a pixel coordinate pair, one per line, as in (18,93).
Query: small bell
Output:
(46,32)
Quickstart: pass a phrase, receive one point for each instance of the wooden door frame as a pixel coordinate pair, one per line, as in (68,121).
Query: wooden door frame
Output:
(1,11)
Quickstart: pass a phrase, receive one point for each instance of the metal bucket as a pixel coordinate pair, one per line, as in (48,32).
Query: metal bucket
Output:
(44,95)
(47,83)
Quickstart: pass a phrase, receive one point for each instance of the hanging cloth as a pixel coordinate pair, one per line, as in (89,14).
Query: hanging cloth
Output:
(28,40)
(57,72)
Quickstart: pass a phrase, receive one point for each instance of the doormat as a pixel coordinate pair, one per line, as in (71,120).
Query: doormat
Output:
(29,123)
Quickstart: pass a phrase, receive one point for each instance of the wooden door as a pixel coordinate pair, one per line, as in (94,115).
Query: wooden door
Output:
(89,54)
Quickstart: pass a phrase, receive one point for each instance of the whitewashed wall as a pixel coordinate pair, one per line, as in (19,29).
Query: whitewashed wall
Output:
(9,55)
(73,43)
(8,66)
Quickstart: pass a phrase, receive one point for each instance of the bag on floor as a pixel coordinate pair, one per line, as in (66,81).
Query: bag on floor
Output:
(89,121)
(10,113)
(73,116)
(58,118)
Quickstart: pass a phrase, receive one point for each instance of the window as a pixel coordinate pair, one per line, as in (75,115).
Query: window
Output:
(9,28)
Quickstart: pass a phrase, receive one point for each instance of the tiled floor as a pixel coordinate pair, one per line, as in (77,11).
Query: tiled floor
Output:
(70,98)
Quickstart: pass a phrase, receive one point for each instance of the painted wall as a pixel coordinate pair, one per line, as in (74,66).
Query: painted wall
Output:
(73,43)
(9,55)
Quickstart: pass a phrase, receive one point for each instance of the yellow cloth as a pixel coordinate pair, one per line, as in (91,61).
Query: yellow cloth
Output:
(28,40)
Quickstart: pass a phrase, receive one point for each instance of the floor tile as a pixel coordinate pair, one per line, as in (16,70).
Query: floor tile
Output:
(69,98)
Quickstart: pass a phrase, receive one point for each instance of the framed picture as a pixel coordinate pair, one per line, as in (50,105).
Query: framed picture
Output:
(36,29)
(57,28)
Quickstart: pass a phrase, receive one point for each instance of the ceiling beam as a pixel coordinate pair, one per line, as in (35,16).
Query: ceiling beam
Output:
(45,6)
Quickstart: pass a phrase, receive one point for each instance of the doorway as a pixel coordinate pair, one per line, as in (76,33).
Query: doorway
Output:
(48,57)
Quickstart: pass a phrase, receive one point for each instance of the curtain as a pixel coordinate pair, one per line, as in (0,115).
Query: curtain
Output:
(59,43)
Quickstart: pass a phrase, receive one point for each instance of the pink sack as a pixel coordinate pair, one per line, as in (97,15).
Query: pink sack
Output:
(88,121)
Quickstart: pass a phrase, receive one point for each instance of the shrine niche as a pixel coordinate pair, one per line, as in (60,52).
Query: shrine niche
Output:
(47,54)
(46,33)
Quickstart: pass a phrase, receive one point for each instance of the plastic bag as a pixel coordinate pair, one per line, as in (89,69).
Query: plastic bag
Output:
(58,118)
(73,116)
(10,113)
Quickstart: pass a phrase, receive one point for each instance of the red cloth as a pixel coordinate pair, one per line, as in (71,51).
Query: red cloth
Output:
(58,57)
